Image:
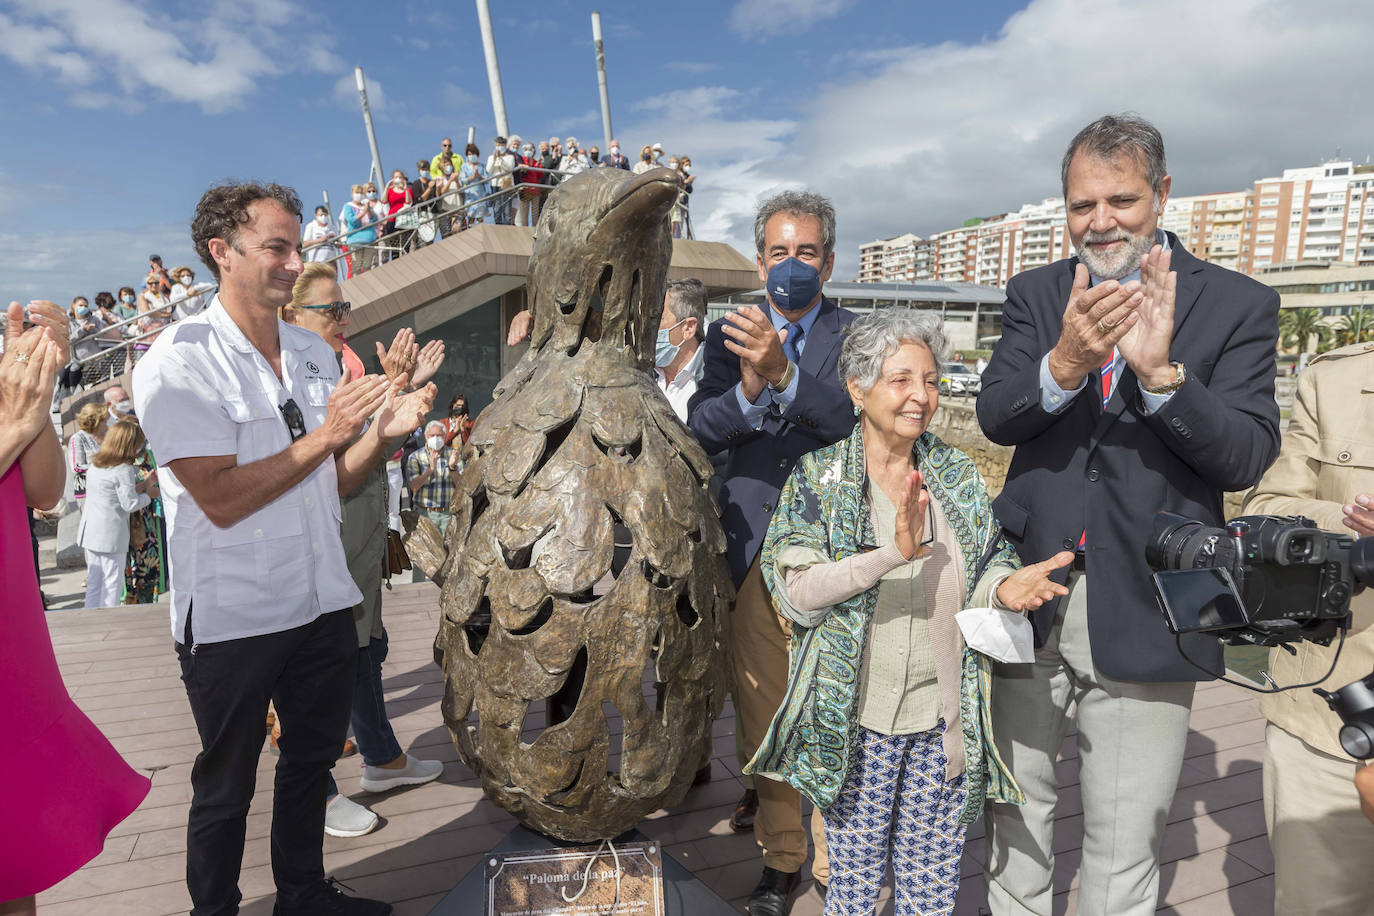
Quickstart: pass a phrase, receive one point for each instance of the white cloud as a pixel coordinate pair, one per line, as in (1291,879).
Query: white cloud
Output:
(760,19)
(124,51)
(1239,88)
(61,264)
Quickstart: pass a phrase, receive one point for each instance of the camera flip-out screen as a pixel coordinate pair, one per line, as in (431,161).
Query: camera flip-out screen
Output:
(1199,599)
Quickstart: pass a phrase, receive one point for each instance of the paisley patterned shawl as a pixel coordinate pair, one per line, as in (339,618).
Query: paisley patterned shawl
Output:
(811,739)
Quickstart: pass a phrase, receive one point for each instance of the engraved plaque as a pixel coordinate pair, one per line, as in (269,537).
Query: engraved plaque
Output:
(539,883)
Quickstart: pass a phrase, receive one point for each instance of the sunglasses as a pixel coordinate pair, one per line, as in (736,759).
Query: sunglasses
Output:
(295,421)
(337,310)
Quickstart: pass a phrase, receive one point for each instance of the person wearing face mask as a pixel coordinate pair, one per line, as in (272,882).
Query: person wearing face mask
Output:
(548,161)
(476,187)
(657,151)
(111,337)
(574,159)
(84,329)
(458,424)
(187,295)
(117,404)
(126,305)
(431,471)
(422,191)
(615,160)
(155,312)
(397,198)
(318,238)
(678,353)
(646,160)
(527,208)
(446,162)
(360,235)
(769,393)
(684,200)
(501,169)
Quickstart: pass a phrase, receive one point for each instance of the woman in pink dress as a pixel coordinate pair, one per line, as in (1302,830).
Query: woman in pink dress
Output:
(74,786)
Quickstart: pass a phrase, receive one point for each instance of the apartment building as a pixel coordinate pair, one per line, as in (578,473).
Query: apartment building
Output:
(901,259)
(1321,213)
(1316,213)
(1211,226)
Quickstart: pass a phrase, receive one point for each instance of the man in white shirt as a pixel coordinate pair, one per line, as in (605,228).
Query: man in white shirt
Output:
(677,357)
(248,417)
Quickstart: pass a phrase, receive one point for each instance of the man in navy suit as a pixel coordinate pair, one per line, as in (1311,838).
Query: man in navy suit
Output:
(769,393)
(1130,378)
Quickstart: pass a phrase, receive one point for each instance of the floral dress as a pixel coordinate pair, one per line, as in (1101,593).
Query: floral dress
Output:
(145,575)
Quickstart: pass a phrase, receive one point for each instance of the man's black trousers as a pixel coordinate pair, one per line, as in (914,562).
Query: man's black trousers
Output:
(308,673)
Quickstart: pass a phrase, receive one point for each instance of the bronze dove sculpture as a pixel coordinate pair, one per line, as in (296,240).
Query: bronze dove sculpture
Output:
(584,566)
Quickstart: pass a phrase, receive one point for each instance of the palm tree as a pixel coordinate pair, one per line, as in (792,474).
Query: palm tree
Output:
(1354,328)
(1298,326)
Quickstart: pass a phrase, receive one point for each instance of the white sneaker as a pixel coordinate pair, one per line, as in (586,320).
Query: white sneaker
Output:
(345,817)
(414,773)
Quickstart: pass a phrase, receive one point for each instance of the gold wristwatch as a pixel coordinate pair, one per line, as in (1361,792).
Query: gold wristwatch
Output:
(1170,387)
(788,374)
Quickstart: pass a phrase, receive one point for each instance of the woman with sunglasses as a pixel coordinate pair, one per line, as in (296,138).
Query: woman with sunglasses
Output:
(317,304)
(877,542)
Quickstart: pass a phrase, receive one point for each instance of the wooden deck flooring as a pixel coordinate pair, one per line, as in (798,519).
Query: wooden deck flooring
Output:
(121,669)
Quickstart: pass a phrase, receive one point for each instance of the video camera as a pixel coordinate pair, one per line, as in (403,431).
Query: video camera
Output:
(1263,580)
(1268,580)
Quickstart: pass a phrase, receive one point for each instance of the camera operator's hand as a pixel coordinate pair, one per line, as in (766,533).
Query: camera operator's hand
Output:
(1359,516)
(1364,784)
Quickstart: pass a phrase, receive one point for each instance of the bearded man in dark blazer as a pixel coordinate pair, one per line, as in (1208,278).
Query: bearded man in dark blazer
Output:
(1130,378)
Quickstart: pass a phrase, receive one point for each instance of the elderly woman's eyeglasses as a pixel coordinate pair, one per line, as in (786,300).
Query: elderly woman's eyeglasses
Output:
(295,421)
(338,310)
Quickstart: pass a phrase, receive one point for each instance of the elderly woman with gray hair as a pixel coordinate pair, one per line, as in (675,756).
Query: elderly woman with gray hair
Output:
(877,542)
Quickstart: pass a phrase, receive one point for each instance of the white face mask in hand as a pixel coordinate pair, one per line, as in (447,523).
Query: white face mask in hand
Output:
(1003,636)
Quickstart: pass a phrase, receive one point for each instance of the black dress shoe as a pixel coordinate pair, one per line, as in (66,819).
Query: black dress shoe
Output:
(773,896)
(742,821)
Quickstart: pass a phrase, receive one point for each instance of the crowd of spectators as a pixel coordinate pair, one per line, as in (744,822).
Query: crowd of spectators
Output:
(450,192)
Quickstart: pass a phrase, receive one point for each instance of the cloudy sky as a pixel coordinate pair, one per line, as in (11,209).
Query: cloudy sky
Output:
(913,115)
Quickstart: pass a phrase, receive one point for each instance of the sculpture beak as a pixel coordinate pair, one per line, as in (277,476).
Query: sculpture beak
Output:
(648,195)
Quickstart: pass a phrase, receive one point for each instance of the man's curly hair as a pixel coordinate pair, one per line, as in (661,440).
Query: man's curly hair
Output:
(224,208)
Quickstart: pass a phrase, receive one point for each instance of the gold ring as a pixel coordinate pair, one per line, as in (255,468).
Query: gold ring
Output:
(20,356)
(1104,327)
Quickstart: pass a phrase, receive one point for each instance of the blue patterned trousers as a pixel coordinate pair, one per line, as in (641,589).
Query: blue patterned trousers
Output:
(895,804)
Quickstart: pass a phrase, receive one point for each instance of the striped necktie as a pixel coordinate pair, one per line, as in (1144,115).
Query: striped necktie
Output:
(1106,396)
(1107,377)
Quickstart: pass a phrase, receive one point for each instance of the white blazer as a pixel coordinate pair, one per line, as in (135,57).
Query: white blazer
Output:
(110,497)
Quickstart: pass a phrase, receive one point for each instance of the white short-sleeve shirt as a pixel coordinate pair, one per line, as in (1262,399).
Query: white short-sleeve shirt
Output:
(203,389)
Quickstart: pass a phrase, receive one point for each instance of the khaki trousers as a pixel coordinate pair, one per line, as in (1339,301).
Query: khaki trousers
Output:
(759,652)
(1130,748)
(1323,846)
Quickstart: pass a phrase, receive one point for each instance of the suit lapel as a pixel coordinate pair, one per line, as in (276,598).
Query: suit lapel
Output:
(821,342)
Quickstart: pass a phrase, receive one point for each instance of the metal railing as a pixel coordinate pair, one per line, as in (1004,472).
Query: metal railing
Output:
(463,213)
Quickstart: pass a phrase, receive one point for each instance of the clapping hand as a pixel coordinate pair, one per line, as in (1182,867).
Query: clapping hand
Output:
(351,404)
(1030,586)
(402,413)
(911,517)
(1145,346)
(1359,515)
(400,358)
(1095,320)
(28,372)
(750,335)
(48,315)
(427,364)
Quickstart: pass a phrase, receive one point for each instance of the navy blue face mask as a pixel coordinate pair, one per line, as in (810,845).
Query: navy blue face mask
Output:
(793,284)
